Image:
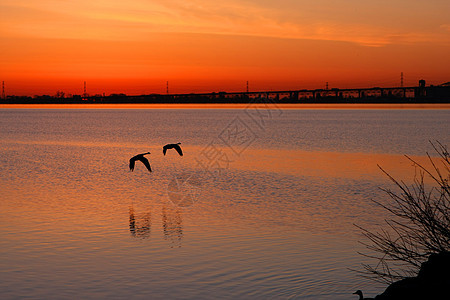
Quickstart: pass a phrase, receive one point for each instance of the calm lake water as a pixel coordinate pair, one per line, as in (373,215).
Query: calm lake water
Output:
(261,205)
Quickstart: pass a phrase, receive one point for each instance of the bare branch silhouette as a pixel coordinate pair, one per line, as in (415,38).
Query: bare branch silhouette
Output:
(419,224)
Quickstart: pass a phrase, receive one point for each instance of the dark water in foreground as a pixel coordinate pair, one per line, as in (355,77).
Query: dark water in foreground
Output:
(260,206)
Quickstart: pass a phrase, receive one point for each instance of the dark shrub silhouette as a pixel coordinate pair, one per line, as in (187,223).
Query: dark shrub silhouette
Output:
(419,225)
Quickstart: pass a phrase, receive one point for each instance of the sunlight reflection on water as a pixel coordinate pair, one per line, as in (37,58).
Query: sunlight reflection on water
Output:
(275,223)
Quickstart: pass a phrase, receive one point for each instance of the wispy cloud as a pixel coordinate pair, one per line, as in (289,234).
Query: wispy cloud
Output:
(136,19)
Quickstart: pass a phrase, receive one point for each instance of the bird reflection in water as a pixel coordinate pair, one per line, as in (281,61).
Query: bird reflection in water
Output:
(140,224)
(172,226)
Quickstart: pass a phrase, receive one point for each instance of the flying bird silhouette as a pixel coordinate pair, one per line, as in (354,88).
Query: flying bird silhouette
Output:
(173,146)
(142,159)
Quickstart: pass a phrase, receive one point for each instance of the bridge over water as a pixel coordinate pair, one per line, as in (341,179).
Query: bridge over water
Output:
(419,94)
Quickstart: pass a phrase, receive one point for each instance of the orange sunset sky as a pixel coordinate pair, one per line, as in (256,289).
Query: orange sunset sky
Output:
(135,46)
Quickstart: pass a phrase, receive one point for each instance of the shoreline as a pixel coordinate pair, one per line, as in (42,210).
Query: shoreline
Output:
(231,106)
